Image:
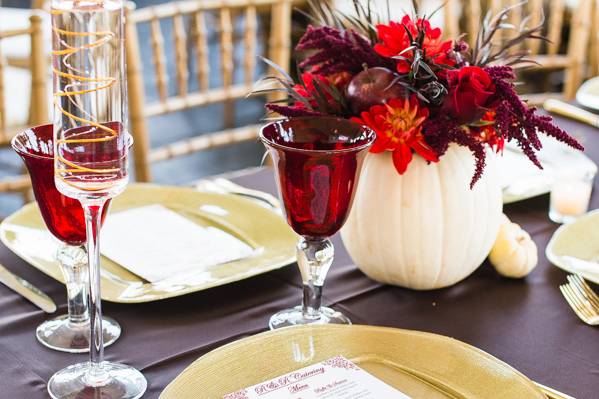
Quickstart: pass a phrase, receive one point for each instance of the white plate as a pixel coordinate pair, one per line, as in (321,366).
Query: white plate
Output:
(588,94)
(521,179)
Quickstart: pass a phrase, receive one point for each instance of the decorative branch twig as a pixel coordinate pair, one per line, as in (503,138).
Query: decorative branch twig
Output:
(486,53)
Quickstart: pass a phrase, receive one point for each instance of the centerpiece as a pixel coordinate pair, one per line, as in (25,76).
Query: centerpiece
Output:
(428,207)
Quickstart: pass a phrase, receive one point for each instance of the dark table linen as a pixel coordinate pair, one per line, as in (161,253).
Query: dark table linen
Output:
(524,322)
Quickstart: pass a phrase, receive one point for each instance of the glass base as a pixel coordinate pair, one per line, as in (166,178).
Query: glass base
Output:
(295,317)
(61,335)
(557,217)
(115,381)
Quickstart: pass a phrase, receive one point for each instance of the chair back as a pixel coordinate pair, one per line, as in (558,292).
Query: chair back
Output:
(193,22)
(594,40)
(38,105)
(556,54)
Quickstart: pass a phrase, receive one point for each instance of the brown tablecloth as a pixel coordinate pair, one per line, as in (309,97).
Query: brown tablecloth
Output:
(526,322)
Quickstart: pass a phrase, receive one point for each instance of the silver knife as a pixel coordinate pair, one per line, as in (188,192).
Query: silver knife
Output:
(571,111)
(26,289)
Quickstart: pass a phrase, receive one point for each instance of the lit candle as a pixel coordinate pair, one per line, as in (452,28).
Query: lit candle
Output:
(569,199)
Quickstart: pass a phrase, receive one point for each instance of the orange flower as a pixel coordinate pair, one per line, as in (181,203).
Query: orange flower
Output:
(398,128)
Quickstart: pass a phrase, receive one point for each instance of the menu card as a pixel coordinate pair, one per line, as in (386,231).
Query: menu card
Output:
(156,243)
(335,378)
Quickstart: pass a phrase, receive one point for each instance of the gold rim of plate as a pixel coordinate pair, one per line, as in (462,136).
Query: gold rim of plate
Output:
(422,365)
(576,240)
(273,241)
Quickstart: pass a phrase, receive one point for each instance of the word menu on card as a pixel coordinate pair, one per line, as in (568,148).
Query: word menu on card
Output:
(335,378)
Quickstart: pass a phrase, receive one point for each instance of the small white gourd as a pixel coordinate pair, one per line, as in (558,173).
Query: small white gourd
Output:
(514,253)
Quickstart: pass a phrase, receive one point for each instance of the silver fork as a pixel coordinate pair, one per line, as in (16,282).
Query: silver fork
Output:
(582,299)
(585,290)
(224,186)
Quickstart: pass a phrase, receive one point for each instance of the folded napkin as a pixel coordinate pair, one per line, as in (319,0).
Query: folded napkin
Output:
(157,243)
(516,168)
(520,177)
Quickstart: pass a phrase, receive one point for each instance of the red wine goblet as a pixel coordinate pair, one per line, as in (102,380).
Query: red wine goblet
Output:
(64,218)
(318,162)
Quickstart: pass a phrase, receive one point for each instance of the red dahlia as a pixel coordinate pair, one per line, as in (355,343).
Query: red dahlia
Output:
(398,128)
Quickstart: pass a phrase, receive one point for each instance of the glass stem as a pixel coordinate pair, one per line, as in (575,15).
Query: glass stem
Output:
(314,257)
(73,263)
(93,214)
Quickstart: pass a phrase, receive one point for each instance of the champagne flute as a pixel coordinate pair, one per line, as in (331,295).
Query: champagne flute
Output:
(90,163)
(318,162)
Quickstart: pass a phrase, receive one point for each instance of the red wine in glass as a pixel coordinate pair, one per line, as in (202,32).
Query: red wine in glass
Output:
(318,162)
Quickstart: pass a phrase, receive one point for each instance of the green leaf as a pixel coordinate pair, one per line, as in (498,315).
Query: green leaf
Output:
(481,123)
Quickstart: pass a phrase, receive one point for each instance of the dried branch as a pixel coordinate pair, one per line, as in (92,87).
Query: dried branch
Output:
(485,52)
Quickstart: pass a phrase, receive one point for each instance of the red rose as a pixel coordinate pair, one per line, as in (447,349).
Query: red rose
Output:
(469,90)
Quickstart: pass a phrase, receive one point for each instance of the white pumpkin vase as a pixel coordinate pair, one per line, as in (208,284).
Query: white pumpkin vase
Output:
(424,229)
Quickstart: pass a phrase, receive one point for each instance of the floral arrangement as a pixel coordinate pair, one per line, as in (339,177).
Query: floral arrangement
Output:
(419,93)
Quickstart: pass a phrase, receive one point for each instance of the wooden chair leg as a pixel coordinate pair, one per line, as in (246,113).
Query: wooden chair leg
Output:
(228,114)
(594,45)
(227,44)
(451,19)
(280,39)
(577,48)
(38,111)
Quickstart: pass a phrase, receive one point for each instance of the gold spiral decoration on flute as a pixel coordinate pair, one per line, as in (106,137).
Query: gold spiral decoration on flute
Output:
(80,84)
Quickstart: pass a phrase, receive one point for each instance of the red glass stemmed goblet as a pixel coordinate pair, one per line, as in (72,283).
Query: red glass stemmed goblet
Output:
(318,162)
(64,218)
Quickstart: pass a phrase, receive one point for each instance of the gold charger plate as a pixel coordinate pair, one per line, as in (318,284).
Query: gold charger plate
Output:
(273,241)
(574,247)
(422,365)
